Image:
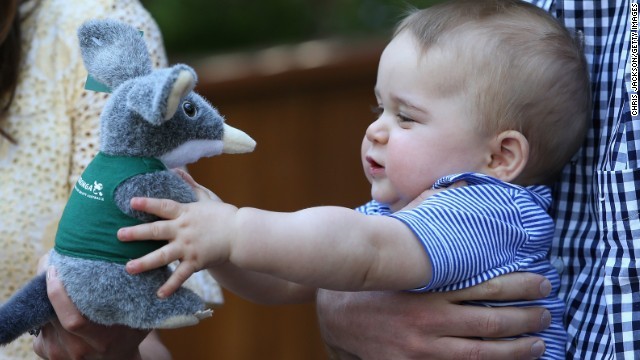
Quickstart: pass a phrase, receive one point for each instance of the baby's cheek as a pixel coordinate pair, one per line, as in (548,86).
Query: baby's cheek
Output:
(410,184)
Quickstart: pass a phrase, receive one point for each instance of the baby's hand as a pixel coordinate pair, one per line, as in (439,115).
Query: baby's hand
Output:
(160,230)
(202,193)
(197,235)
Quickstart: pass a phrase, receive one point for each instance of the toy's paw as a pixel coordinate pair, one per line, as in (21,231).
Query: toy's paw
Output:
(179,321)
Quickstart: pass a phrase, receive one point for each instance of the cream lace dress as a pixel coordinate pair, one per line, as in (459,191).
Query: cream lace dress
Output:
(55,122)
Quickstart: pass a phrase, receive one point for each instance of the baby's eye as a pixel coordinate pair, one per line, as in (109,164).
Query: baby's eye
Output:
(403,118)
(189,109)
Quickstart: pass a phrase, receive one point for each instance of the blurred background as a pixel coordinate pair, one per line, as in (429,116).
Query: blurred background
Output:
(298,76)
(204,26)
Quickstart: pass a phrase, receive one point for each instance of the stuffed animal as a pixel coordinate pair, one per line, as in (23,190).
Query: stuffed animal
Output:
(152,122)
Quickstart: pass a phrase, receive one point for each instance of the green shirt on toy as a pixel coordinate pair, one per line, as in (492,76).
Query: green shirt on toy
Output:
(91,218)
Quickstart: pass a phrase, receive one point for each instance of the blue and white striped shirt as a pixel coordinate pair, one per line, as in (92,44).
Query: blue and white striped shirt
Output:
(596,202)
(486,229)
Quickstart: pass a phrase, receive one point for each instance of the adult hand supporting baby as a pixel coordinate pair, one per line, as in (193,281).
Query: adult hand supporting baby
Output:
(400,325)
(72,336)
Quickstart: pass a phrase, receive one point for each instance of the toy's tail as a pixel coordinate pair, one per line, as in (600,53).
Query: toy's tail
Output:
(28,309)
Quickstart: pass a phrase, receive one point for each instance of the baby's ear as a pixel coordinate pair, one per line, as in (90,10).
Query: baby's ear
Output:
(509,155)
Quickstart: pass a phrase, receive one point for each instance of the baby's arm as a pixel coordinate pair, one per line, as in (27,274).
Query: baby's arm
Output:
(322,247)
(261,288)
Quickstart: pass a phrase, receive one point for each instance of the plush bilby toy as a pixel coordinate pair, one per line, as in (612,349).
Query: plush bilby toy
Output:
(152,121)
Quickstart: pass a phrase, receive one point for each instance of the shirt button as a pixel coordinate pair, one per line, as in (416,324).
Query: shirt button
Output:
(558,264)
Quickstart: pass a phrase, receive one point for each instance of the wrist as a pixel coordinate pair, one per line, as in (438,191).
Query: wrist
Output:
(235,232)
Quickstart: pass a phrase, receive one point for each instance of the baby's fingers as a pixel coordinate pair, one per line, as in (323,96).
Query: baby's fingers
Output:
(202,192)
(153,260)
(179,276)
(159,230)
(163,208)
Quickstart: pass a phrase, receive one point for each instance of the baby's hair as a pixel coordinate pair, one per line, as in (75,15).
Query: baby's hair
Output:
(517,68)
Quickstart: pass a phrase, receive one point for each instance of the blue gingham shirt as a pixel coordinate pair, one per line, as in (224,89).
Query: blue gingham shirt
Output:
(597,237)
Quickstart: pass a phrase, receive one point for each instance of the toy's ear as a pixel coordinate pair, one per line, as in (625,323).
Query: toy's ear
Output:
(156,97)
(113,52)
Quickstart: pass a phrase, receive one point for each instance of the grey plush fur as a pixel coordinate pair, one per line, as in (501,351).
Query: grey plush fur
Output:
(135,304)
(112,52)
(151,113)
(156,185)
(27,310)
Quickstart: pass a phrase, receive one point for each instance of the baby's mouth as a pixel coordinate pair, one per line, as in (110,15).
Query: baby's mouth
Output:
(374,166)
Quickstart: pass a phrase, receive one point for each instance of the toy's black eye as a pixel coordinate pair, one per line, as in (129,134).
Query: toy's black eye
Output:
(189,109)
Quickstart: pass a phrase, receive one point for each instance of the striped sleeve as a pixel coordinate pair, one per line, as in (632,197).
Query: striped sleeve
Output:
(475,233)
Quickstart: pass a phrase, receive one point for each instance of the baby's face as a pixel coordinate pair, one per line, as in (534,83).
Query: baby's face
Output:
(419,135)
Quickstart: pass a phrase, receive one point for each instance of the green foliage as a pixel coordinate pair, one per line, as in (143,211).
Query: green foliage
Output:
(204,26)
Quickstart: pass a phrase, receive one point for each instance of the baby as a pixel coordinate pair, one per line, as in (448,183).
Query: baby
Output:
(480,104)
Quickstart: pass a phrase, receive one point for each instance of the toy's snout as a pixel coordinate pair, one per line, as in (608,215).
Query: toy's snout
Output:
(236,141)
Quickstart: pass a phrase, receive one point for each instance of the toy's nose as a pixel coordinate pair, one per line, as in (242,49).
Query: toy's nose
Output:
(236,141)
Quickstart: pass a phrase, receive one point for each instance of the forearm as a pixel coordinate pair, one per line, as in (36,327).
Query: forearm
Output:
(323,247)
(329,247)
(261,288)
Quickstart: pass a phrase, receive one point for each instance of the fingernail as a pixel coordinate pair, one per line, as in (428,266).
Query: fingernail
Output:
(132,267)
(545,287)
(545,320)
(133,202)
(50,272)
(537,349)
(123,234)
(161,294)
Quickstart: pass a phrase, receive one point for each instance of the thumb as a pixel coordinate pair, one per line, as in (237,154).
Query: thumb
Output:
(43,263)
(201,191)
(186,177)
